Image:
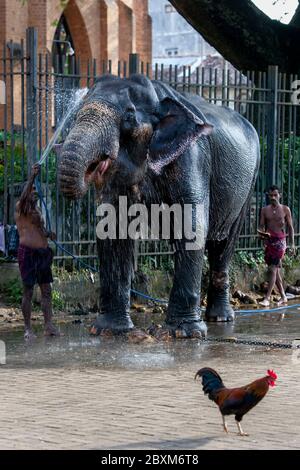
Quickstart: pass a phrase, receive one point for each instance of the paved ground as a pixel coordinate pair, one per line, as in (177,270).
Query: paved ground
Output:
(148,401)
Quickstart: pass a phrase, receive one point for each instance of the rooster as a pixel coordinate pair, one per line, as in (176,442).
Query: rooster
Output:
(235,401)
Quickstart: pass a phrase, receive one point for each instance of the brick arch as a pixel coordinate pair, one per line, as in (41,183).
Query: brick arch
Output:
(78,31)
(76,26)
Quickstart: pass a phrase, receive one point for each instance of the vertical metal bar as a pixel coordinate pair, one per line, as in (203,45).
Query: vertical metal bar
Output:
(47,122)
(248,95)
(198,81)
(259,131)
(223,86)
(215,85)
(56,118)
(40,109)
(227,86)
(283,141)
(278,176)
(12,136)
(235,90)
(88,74)
(291,155)
(94,70)
(31,96)
(176,77)
(189,78)
(5,215)
(252,75)
(23,110)
(184,79)
(134,61)
(272,124)
(263,143)
(202,82)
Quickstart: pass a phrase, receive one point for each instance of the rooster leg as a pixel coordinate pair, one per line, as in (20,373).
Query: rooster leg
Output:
(241,432)
(224,424)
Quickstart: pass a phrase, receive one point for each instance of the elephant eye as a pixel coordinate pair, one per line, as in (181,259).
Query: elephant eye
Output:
(130,110)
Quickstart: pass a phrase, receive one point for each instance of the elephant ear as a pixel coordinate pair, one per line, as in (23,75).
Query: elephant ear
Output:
(177,128)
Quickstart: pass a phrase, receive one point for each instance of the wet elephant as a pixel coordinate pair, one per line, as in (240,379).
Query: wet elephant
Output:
(144,140)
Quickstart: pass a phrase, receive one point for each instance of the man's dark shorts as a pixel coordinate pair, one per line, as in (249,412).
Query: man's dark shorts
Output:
(35,265)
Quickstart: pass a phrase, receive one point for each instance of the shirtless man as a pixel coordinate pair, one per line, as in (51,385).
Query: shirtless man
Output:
(34,256)
(273,220)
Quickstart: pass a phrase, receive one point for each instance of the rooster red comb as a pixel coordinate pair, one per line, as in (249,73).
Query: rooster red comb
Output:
(272,374)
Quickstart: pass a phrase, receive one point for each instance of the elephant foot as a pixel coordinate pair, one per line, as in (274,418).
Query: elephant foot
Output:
(218,307)
(219,314)
(110,325)
(179,330)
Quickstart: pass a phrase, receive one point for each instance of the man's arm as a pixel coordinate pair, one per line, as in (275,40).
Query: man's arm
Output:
(262,225)
(262,221)
(289,223)
(28,188)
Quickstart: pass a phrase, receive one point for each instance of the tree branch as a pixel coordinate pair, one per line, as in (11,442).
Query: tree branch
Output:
(242,33)
(295,21)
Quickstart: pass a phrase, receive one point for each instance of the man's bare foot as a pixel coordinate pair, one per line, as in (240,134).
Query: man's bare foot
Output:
(282,301)
(51,330)
(29,335)
(265,303)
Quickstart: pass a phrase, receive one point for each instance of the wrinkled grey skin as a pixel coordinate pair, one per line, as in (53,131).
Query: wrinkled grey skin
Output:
(160,146)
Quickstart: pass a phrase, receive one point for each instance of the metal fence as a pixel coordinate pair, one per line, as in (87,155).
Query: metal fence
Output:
(39,89)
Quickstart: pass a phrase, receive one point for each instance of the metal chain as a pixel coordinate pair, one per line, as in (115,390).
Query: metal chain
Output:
(254,343)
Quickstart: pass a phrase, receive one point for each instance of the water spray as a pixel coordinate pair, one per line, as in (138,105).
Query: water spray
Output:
(78,97)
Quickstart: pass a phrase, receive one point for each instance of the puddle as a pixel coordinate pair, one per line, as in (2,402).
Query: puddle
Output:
(78,349)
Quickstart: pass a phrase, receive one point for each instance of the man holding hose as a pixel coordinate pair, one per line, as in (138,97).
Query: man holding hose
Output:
(34,256)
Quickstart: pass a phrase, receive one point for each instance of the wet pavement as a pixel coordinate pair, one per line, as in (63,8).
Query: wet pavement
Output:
(82,392)
(78,348)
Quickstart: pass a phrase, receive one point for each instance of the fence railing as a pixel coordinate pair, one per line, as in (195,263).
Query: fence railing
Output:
(39,88)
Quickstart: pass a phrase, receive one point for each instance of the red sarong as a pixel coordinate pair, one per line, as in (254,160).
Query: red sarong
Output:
(275,247)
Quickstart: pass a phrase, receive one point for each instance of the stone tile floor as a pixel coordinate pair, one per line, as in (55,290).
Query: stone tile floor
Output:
(79,392)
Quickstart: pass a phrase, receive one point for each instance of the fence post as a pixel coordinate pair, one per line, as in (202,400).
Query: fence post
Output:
(134,63)
(272,125)
(136,255)
(31,97)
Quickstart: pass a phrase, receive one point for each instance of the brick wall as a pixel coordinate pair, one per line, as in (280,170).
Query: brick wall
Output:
(101,29)
(92,23)
(125,31)
(143,36)
(78,31)
(37,17)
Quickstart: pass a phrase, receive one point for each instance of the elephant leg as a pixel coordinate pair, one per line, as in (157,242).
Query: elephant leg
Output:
(183,316)
(218,305)
(116,272)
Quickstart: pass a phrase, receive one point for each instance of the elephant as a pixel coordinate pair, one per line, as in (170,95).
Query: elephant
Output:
(142,139)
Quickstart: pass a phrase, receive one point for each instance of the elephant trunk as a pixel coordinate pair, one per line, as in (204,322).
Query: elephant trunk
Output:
(93,139)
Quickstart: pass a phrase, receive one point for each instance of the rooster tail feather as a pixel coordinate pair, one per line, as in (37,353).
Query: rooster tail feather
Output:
(211,381)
